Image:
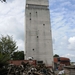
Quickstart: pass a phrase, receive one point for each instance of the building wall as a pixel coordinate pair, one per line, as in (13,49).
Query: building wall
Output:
(19,62)
(38,31)
(38,2)
(63,60)
(60,62)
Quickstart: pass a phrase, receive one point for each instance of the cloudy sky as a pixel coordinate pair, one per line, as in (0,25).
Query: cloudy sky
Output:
(62,14)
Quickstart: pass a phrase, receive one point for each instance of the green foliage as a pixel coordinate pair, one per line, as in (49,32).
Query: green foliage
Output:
(56,55)
(7,45)
(3,59)
(18,55)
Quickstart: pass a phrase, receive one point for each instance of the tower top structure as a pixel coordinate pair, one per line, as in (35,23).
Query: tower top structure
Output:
(38,2)
(38,42)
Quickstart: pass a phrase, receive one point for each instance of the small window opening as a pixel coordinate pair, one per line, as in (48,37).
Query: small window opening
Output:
(43,24)
(36,12)
(37,36)
(33,49)
(30,18)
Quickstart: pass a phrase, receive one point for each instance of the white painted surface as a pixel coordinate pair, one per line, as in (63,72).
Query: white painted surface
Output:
(38,31)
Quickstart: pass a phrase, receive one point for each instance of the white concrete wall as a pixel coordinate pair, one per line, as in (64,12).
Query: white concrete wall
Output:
(38,33)
(37,2)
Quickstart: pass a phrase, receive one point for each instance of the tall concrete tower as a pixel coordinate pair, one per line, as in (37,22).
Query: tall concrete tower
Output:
(38,31)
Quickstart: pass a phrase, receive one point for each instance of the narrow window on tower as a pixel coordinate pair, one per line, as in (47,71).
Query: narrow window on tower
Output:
(33,49)
(30,15)
(30,18)
(43,24)
(36,12)
(37,36)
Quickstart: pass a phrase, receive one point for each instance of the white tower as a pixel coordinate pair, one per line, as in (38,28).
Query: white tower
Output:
(38,31)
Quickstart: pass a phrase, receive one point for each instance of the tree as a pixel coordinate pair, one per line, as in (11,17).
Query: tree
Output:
(3,60)
(56,55)
(3,0)
(7,45)
(18,55)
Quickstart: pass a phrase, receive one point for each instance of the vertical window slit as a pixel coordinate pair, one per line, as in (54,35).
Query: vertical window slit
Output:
(43,24)
(37,36)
